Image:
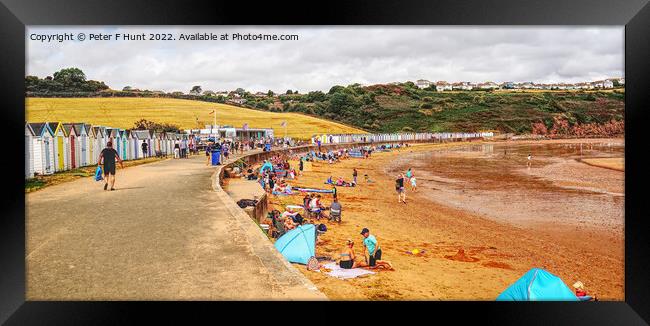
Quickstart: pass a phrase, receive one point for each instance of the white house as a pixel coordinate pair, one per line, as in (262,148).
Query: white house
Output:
(442,86)
(422,83)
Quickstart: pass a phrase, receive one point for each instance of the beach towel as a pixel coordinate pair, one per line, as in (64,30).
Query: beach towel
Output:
(314,190)
(98,174)
(342,273)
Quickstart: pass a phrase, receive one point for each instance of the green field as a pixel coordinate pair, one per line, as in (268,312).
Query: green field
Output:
(187,114)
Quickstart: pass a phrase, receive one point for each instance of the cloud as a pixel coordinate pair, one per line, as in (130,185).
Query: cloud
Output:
(327,56)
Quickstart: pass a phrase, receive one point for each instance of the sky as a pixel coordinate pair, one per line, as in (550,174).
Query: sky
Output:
(326,56)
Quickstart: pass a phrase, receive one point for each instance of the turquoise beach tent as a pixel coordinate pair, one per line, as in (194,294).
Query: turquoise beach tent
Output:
(299,244)
(266,166)
(538,285)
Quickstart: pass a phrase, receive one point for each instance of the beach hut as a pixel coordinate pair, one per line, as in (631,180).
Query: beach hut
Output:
(82,140)
(99,142)
(43,149)
(73,142)
(29,151)
(60,146)
(90,144)
(538,285)
(141,136)
(124,143)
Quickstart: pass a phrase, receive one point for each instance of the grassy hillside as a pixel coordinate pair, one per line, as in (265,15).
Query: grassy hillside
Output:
(124,112)
(404,107)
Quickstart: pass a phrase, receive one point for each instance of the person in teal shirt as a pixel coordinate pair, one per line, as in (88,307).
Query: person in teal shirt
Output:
(374,251)
(409,174)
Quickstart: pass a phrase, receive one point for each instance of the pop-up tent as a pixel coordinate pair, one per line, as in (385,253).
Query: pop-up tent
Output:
(538,285)
(266,166)
(299,244)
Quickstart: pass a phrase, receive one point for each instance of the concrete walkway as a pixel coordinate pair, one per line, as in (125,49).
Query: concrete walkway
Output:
(164,234)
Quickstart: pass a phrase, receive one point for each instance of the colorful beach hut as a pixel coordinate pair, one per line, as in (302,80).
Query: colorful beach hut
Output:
(73,142)
(29,151)
(99,142)
(60,146)
(82,140)
(43,149)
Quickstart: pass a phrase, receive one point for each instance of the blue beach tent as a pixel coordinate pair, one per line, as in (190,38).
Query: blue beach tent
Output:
(538,285)
(299,244)
(266,166)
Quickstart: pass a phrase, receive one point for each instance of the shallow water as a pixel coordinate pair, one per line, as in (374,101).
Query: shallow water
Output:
(495,180)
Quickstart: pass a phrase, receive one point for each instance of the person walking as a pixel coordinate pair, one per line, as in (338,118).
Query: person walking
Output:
(177,150)
(354,175)
(399,187)
(301,165)
(145,149)
(107,157)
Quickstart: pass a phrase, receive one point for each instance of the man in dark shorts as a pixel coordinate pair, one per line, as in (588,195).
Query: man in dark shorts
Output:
(399,187)
(302,165)
(374,251)
(109,155)
(145,147)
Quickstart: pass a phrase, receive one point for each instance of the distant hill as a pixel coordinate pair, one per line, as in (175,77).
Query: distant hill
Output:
(404,107)
(187,114)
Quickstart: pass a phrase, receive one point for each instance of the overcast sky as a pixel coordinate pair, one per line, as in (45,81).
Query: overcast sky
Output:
(327,56)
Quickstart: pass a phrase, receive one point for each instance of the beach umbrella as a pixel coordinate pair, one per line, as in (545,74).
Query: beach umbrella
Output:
(538,285)
(299,244)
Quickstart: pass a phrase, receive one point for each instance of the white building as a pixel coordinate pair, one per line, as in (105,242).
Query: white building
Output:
(443,86)
(422,83)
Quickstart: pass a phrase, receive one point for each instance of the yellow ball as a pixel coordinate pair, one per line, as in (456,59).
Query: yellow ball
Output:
(415,251)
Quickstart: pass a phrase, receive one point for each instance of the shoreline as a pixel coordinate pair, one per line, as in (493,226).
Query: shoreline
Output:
(500,252)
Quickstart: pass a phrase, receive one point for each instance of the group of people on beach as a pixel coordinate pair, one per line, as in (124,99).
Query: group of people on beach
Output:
(315,210)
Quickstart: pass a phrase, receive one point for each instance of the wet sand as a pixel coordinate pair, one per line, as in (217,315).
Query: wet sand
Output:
(503,216)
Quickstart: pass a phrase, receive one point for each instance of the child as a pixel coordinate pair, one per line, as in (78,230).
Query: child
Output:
(414,186)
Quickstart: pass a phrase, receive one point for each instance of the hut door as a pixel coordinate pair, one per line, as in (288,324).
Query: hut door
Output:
(48,163)
(60,153)
(72,153)
(84,150)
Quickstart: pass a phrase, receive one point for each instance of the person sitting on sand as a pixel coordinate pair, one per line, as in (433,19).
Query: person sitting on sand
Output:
(347,256)
(289,213)
(374,251)
(289,224)
(582,294)
(367,178)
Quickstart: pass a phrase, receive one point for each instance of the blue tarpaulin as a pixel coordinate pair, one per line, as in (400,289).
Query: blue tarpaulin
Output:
(299,244)
(538,285)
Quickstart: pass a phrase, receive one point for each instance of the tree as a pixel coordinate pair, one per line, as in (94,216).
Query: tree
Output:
(196,90)
(336,89)
(70,77)
(289,92)
(127,89)
(144,124)
(270,93)
(316,96)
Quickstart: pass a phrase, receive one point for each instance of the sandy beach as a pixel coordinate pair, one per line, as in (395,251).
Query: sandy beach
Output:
(482,218)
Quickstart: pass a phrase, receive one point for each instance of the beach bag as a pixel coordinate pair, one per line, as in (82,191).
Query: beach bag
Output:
(312,264)
(98,174)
